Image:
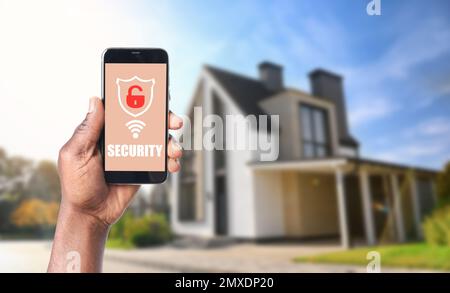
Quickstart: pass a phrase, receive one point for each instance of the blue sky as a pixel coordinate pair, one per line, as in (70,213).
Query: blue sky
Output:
(396,66)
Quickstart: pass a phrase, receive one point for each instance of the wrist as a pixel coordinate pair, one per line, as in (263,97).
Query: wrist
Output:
(81,233)
(73,215)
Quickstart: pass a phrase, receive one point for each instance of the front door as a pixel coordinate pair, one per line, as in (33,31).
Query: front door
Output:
(221,206)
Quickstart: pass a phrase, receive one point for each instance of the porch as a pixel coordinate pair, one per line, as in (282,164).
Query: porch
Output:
(353,200)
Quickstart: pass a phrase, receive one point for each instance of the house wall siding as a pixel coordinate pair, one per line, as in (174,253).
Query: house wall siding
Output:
(240,190)
(268,203)
(318,205)
(291,204)
(288,123)
(287,105)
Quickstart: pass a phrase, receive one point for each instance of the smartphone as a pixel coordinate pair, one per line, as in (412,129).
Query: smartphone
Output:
(135,96)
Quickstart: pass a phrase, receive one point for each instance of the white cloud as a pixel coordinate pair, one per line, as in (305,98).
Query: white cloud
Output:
(420,150)
(434,127)
(325,43)
(371,109)
(422,44)
(319,43)
(410,50)
(427,143)
(444,88)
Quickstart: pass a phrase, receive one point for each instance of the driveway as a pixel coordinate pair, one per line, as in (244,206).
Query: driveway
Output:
(233,258)
(32,256)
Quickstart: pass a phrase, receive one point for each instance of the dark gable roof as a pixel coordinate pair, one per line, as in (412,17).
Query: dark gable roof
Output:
(245,91)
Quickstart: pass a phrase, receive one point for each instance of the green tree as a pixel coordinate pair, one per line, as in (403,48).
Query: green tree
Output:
(35,213)
(14,174)
(21,180)
(12,167)
(7,206)
(44,182)
(443,186)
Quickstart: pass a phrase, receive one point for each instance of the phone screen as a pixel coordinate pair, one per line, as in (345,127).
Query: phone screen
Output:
(135,116)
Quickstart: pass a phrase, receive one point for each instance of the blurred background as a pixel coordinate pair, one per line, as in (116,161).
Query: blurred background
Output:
(396,72)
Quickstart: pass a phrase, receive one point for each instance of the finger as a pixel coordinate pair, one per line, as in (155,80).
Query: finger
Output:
(173,165)
(174,151)
(175,122)
(86,135)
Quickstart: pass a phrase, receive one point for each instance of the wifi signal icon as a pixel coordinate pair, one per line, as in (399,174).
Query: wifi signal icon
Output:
(135,126)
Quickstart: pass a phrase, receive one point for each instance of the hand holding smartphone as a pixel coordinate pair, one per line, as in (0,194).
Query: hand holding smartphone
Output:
(135,96)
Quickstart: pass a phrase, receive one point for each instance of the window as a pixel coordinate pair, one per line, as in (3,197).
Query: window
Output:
(187,193)
(186,203)
(315,137)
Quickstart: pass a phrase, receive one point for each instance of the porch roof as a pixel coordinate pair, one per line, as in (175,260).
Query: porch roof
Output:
(331,163)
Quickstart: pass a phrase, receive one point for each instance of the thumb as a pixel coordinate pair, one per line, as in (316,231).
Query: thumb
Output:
(86,135)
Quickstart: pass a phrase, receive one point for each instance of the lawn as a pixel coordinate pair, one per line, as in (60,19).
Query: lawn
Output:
(416,255)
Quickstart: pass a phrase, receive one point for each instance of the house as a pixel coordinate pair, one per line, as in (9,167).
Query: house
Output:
(319,187)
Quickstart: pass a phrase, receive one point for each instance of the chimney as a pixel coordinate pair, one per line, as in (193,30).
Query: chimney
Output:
(328,85)
(271,75)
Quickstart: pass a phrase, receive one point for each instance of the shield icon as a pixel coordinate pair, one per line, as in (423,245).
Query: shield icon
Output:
(135,95)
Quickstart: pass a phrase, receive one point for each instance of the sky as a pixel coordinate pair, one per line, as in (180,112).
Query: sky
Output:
(396,66)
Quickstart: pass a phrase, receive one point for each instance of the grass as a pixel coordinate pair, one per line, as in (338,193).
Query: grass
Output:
(416,255)
(118,244)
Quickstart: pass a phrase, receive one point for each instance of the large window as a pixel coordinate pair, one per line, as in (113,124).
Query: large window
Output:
(315,135)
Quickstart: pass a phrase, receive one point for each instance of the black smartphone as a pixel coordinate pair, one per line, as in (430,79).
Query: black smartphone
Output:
(135,95)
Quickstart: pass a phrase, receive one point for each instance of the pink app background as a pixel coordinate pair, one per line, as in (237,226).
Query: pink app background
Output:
(116,130)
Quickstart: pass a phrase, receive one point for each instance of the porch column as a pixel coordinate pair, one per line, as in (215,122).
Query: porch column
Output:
(342,209)
(416,204)
(367,207)
(398,208)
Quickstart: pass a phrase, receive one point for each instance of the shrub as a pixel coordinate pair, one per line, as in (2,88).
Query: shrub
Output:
(35,213)
(117,230)
(437,227)
(144,231)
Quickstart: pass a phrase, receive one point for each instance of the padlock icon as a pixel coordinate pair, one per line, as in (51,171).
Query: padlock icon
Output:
(135,101)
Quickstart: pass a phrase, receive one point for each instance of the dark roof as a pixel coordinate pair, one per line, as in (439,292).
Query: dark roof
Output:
(245,91)
(349,141)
